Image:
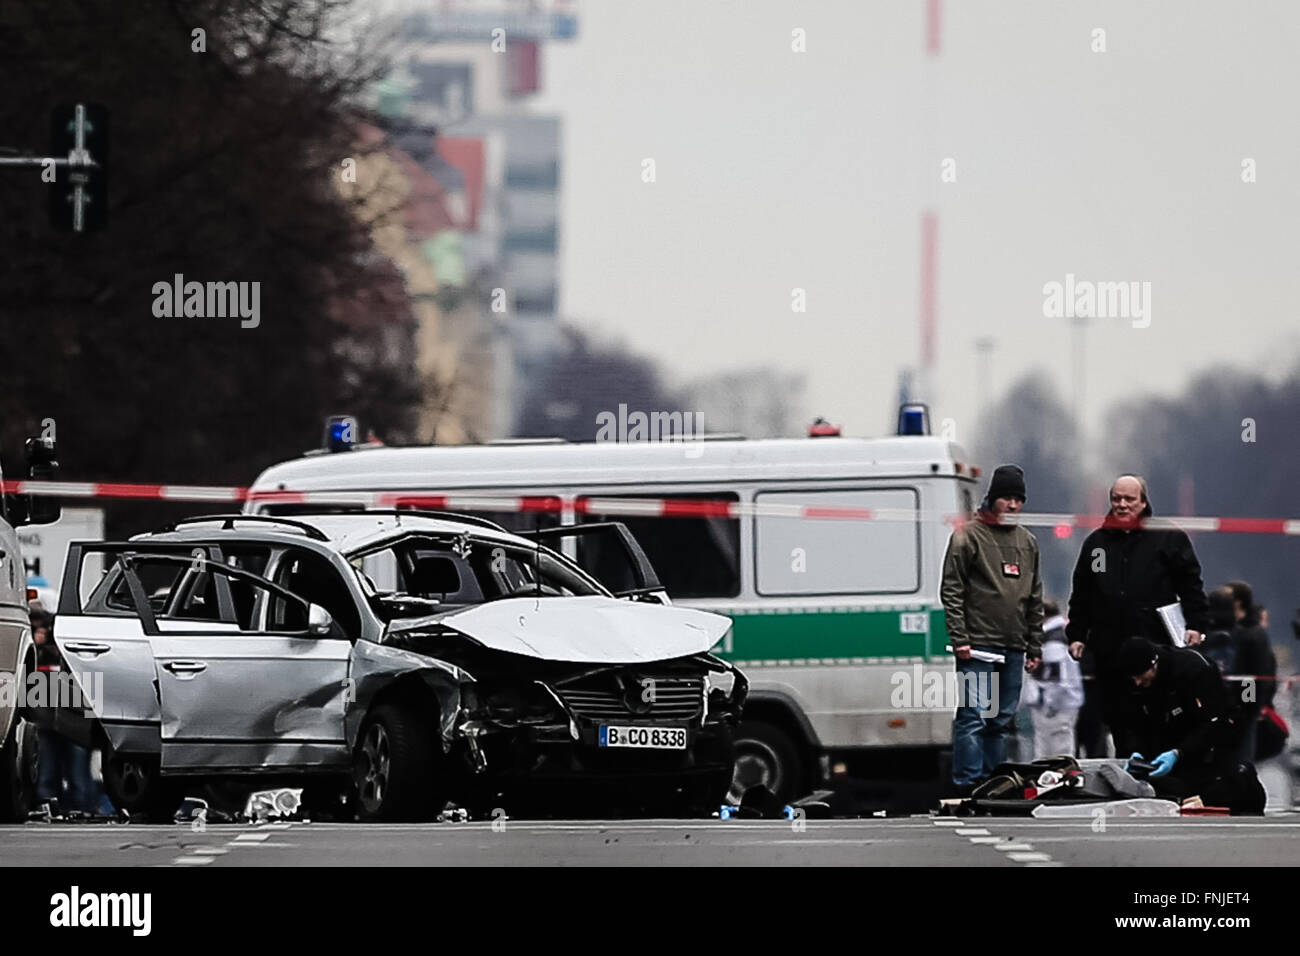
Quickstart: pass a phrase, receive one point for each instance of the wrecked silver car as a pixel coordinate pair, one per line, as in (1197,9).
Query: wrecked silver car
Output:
(403,659)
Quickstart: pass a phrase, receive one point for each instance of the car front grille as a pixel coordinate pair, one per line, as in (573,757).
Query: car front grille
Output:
(676,698)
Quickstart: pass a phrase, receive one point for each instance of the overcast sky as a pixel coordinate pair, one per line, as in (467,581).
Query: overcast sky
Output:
(778,170)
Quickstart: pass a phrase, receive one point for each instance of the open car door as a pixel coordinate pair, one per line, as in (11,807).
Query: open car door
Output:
(227,665)
(607,551)
(100,634)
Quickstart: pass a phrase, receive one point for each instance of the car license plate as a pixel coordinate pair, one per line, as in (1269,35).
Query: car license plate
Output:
(653,738)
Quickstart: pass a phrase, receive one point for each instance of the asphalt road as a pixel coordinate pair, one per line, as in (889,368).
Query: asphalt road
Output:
(915,841)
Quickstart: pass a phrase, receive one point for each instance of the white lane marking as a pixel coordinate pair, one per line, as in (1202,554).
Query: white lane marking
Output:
(207,854)
(946,822)
(1013,846)
(264,846)
(1184,826)
(974,832)
(1030,857)
(988,839)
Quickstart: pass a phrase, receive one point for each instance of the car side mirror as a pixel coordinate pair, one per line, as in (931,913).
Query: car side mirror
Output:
(646,597)
(319,621)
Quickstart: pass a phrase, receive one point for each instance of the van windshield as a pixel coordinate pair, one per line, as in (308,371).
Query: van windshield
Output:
(421,575)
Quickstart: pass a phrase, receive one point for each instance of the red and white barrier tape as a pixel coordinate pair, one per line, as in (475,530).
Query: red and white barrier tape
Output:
(1062,524)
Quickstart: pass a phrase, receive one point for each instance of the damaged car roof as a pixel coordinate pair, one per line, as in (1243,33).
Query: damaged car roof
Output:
(346,533)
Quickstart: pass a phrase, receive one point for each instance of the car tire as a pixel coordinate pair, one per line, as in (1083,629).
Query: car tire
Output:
(135,784)
(18,772)
(398,768)
(766,756)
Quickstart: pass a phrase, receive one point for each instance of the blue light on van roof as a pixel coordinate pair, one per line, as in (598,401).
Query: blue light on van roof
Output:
(340,432)
(914,419)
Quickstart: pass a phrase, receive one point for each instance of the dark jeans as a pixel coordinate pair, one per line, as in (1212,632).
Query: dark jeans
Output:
(61,763)
(985,714)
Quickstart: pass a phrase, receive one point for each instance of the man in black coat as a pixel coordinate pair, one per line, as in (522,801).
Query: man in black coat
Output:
(1124,573)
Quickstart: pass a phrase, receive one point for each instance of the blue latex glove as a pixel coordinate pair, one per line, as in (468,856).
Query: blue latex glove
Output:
(1133,756)
(1165,763)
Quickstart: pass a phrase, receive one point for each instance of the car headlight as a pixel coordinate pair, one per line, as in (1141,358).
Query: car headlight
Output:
(724,681)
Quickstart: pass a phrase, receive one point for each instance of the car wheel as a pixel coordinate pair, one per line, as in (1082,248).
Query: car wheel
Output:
(398,767)
(18,772)
(765,756)
(135,784)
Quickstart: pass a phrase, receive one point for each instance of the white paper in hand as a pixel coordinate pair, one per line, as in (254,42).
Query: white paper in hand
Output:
(1175,623)
(991,657)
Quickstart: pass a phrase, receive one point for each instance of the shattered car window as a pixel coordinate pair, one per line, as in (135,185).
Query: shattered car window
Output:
(420,576)
(312,578)
(112,596)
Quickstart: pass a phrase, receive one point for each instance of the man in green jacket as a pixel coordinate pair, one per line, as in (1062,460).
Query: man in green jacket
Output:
(992,596)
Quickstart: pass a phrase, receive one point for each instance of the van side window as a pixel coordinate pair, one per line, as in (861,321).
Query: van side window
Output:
(794,556)
(694,557)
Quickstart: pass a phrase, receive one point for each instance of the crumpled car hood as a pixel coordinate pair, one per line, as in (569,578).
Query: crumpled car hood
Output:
(587,630)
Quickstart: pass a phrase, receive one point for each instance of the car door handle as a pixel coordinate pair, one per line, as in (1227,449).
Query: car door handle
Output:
(186,667)
(86,647)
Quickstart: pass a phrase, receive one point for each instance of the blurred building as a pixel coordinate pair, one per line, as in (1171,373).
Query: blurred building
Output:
(413,226)
(458,104)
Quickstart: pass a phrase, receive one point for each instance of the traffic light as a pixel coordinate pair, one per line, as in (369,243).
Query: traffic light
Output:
(79,194)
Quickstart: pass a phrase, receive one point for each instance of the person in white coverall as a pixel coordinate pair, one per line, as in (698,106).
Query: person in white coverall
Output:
(1056,691)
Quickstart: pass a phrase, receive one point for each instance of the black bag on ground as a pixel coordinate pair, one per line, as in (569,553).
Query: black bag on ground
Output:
(1009,780)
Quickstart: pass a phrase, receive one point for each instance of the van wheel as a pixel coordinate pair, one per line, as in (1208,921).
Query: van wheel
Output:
(398,768)
(18,772)
(135,784)
(766,756)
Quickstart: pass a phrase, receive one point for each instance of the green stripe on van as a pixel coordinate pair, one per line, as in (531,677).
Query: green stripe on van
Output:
(830,634)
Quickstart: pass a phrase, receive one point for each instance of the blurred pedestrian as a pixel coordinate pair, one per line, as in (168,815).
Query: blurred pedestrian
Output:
(1058,690)
(1124,573)
(62,767)
(1255,661)
(1219,646)
(992,596)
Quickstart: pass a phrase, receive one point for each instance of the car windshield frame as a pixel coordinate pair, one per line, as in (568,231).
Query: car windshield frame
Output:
(387,605)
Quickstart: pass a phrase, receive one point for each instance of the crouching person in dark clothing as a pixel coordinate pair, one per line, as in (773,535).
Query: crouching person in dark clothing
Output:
(1185,722)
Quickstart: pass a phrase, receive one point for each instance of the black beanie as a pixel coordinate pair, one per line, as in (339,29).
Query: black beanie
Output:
(1136,656)
(1008,482)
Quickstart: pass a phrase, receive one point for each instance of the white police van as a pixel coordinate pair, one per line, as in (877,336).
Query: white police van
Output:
(829,614)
